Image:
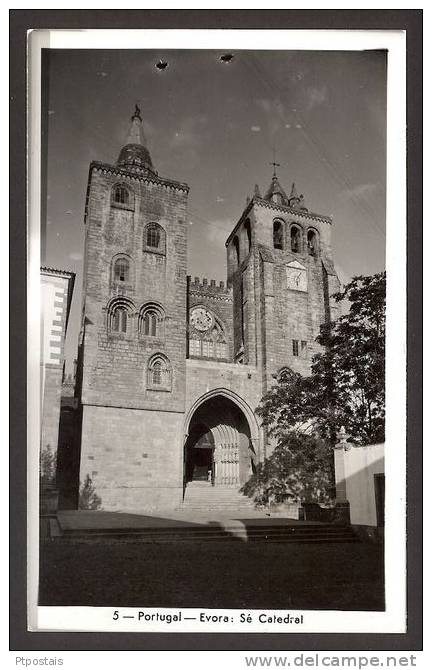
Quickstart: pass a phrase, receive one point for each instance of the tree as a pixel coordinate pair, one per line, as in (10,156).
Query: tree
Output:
(346,384)
(298,471)
(345,388)
(88,498)
(47,466)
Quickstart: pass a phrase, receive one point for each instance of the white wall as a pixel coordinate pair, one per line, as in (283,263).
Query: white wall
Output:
(360,466)
(54,306)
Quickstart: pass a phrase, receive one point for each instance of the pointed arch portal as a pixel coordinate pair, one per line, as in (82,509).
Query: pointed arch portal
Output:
(219,447)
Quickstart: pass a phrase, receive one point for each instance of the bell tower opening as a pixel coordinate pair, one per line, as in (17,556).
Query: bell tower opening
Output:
(218,449)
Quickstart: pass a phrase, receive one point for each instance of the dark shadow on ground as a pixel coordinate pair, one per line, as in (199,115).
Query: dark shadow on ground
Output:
(126,572)
(89,520)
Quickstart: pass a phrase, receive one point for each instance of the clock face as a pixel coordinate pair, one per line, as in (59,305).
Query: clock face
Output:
(297,277)
(201,318)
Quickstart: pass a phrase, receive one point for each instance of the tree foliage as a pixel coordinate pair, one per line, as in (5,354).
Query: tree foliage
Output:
(345,388)
(346,384)
(298,471)
(88,498)
(47,466)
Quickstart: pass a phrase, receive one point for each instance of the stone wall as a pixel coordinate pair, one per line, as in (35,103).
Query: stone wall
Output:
(204,376)
(115,364)
(51,408)
(68,459)
(269,314)
(131,435)
(134,457)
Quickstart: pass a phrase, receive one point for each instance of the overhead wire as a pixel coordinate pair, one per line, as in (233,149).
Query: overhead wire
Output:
(194,214)
(255,69)
(341,180)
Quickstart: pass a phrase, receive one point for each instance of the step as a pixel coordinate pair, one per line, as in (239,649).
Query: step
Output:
(229,525)
(308,533)
(216,487)
(213,489)
(211,493)
(218,499)
(216,535)
(207,497)
(210,509)
(207,509)
(210,499)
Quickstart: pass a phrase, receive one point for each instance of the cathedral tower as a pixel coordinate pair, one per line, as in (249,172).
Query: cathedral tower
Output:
(281,270)
(133,339)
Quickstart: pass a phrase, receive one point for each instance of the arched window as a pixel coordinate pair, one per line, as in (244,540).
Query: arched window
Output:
(118,312)
(119,320)
(120,195)
(154,238)
(159,373)
(278,234)
(121,270)
(151,320)
(236,244)
(295,239)
(156,373)
(247,227)
(211,343)
(312,243)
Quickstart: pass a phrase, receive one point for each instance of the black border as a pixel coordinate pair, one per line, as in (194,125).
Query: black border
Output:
(20,22)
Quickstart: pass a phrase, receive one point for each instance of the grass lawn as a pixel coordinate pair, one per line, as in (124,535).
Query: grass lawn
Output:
(212,574)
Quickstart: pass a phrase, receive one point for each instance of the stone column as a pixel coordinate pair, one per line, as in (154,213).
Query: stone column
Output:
(218,464)
(342,504)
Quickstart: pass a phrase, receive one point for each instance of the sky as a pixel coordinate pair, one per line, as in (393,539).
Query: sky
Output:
(218,126)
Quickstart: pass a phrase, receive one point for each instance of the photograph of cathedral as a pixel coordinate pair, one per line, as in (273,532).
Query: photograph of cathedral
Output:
(202,214)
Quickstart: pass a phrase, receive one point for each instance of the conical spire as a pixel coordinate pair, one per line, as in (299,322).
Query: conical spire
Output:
(302,203)
(136,132)
(257,192)
(294,199)
(135,151)
(293,193)
(275,192)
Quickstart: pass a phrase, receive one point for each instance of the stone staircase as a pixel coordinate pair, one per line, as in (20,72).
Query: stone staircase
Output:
(203,497)
(95,526)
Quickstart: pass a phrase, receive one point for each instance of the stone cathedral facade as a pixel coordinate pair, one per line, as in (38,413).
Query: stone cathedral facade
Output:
(171,368)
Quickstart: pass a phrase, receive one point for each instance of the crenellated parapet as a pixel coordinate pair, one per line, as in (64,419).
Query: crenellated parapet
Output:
(210,288)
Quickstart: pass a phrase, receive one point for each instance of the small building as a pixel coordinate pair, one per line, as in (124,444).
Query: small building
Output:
(56,296)
(360,486)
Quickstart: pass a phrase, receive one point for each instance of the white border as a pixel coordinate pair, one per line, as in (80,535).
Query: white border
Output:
(34,47)
(393,619)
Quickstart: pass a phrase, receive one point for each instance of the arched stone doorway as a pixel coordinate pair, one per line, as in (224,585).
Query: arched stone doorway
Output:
(199,454)
(219,448)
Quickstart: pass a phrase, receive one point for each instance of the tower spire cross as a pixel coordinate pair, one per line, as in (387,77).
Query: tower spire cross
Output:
(137,113)
(275,165)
